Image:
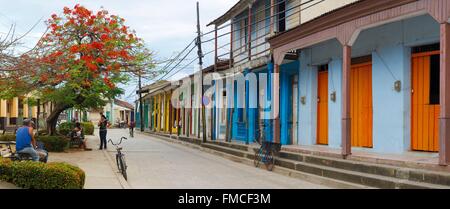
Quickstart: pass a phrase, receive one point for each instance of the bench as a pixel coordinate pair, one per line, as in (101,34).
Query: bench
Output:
(76,141)
(9,130)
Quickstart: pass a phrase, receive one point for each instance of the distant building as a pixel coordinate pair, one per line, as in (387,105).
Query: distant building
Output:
(119,112)
(14,111)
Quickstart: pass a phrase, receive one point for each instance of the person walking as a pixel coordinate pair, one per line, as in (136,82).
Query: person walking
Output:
(131,127)
(103,124)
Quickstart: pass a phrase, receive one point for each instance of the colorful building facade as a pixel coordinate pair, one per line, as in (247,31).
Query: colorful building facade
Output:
(14,111)
(382,67)
(366,75)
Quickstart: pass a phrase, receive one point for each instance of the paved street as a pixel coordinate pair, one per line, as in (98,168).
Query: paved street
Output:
(154,163)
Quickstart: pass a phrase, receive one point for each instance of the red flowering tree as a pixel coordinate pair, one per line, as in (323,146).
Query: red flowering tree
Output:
(79,62)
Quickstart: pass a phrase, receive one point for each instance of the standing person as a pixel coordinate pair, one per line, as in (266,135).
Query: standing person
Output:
(26,142)
(103,125)
(131,126)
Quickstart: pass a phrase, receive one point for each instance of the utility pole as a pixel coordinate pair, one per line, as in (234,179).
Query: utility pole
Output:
(141,114)
(200,63)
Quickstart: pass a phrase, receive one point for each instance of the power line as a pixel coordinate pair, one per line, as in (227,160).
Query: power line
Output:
(190,51)
(170,62)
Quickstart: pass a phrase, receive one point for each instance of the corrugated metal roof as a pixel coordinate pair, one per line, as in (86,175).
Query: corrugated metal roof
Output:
(123,104)
(325,13)
(239,7)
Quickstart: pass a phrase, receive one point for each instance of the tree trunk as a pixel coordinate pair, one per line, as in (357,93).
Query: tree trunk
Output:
(52,119)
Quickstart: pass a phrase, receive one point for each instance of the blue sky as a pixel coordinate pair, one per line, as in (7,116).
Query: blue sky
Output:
(166,26)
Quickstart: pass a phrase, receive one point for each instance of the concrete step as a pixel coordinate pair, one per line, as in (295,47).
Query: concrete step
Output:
(368,174)
(229,150)
(247,158)
(418,175)
(366,179)
(238,146)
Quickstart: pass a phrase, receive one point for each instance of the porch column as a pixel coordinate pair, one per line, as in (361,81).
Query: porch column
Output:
(231,45)
(346,119)
(34,113)
(14,111)
(444,119)
(25,110)
(3,109)
(249,28)
(276,103)
(272,17)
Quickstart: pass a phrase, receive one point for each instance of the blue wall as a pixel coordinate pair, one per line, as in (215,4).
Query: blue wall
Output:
(390,46)
(308,90)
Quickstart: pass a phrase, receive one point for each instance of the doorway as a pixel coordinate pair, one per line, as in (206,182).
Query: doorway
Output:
(361,104)
(425,99)
(322,105)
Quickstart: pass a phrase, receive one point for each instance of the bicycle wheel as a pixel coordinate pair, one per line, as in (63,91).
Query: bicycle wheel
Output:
(269,161)
(124,167)
(118,162)
(258,156)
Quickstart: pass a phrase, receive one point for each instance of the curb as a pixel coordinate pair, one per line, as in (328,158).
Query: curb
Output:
(123,183)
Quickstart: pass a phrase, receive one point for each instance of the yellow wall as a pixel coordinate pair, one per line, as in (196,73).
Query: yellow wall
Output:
(3,108)
(167,112)
(15,107)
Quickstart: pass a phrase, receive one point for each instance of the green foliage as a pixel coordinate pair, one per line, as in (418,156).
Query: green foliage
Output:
(88,128)
(6,173)
(65,128)
(36,175)
(51,143)
(54,143)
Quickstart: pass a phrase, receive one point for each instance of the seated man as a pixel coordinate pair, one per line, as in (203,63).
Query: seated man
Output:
(26,142)
(77,133)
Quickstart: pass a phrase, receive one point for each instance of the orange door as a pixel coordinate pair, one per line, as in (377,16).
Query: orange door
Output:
(322,108)
(424,115)
(361,108)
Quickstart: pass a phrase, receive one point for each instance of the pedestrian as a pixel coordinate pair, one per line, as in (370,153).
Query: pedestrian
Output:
(103,124)
(131,126)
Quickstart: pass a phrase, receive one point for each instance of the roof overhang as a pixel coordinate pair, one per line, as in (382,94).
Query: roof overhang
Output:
(238,8)
(334,18)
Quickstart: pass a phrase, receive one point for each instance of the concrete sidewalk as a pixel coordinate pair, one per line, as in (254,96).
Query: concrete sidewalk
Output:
(101,172)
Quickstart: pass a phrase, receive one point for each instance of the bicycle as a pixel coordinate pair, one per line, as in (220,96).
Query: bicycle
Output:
(120,158)
(266,153)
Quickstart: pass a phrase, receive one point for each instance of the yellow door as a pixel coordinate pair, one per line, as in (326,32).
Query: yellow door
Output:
(322,108)
(361,108)
(424,114)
